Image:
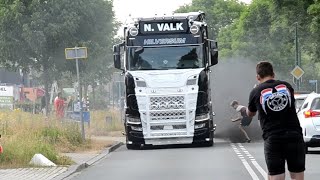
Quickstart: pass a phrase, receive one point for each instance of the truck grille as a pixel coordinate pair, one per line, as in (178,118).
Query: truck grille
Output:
(168,115)
(167,102)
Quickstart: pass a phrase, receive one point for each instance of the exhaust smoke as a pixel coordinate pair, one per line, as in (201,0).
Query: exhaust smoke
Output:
(233,80)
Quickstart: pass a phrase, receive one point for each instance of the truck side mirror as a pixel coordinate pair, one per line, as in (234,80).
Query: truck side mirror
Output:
(213,46)
(116,56)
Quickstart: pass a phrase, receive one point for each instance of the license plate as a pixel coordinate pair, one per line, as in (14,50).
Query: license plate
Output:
(168,127)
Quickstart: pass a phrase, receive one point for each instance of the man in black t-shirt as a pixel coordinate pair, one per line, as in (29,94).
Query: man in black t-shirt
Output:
(282,134)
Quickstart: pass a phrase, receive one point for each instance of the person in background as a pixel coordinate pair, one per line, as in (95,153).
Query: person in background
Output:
(242,117)
(59,106)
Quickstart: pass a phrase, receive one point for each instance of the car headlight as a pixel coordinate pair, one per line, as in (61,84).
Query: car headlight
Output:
(133,120)
(192,80)
(202,117)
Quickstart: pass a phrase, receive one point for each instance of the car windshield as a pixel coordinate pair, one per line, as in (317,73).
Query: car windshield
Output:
(163,58)
(315,104)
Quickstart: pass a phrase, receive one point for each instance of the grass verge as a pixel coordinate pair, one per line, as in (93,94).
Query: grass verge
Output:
(25,134)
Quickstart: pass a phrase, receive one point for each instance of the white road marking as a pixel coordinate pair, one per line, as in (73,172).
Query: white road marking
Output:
(254,162)
(260,169)
(246,164)
(250,170)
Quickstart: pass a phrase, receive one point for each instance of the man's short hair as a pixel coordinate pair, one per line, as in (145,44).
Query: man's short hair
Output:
(264,69)
(233,103)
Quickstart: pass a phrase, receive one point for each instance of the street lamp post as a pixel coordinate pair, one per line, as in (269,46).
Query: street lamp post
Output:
(297,60)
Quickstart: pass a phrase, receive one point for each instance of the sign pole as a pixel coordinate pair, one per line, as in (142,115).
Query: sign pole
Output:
(78,53)
(80,96)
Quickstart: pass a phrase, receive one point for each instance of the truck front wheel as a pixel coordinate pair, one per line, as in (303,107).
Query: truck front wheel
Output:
(133,146)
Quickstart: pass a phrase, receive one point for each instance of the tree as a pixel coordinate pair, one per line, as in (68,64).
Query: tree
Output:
(219,13)
(34,33)
(265,30)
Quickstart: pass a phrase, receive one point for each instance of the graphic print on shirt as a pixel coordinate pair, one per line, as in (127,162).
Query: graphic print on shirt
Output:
(276,101)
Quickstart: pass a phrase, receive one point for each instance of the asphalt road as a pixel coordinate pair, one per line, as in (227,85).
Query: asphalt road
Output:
(223,161)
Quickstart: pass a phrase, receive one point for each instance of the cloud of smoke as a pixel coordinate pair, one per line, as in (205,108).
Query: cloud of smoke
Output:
(233,80)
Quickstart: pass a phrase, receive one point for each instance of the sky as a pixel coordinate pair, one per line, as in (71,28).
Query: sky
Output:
(136,8)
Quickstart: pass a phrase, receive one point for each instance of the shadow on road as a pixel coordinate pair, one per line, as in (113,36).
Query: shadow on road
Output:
(216,144)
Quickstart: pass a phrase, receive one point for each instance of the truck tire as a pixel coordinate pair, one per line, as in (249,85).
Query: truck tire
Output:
(132,146)
(209,143)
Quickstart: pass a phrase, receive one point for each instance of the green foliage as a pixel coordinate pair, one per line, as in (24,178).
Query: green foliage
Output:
(220,13)
(34,34)
(265,30)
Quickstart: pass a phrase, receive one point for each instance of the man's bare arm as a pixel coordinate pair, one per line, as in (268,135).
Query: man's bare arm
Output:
(250,114)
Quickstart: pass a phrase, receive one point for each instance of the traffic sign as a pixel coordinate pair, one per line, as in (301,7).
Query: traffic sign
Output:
(313,81)
(76,53)
(297,72)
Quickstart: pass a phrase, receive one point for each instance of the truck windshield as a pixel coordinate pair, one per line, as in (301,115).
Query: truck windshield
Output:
(163,58)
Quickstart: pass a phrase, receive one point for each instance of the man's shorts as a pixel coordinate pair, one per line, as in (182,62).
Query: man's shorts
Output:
(246,121)
(277,153)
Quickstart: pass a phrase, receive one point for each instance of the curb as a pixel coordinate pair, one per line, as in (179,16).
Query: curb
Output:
(79,167)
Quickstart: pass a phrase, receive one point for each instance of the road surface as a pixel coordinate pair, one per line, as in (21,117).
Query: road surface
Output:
(223,161)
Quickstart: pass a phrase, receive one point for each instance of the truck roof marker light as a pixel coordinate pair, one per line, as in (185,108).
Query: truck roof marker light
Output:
(194,29)
(133,31)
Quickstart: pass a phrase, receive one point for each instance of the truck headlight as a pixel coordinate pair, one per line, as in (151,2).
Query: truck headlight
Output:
(202,117)
(192,80)
(140,82)
(133,120)
(133,31)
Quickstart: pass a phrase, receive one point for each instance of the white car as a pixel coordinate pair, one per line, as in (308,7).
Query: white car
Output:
(309,117)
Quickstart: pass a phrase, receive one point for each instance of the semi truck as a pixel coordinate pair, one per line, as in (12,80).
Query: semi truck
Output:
(166,63)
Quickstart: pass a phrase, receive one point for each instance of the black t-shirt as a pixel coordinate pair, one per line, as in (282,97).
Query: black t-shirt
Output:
(275,103)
